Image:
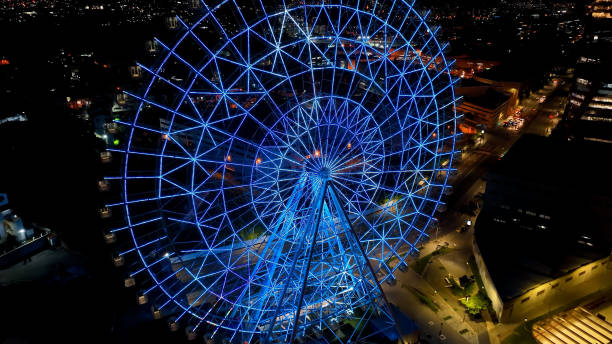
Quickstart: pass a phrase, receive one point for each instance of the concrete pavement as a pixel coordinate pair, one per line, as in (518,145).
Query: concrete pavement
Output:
(451,320)
(445,321)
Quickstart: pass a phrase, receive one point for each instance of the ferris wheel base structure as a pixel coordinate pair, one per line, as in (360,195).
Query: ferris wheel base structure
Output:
(330,277)
(283,161)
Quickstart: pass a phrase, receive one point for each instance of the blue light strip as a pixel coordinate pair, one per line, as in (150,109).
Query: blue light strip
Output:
(224,167)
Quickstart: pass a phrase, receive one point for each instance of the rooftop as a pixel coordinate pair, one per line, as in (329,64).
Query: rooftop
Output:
(524,262)
(490,99)
(471,83)
(519,259)
(557,162)
(516,72)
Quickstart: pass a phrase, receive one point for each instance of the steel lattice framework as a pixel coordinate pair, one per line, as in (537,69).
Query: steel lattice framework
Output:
(284,160)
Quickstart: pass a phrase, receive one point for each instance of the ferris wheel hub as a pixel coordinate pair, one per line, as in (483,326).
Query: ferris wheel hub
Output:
(325,174)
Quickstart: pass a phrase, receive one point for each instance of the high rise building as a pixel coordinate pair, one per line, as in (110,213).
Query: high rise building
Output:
(588,115)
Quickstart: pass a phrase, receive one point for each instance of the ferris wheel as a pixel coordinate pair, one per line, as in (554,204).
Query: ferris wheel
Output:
(284,161)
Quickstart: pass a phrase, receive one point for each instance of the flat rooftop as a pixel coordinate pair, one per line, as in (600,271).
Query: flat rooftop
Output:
(518,263)
(491,99)
(572,165)
(520,259)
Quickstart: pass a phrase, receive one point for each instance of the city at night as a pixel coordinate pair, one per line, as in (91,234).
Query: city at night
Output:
(306,171)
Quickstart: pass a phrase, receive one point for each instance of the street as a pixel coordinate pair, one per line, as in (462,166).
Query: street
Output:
(450,323)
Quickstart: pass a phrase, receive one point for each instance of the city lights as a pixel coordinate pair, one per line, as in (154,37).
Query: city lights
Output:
(306,172)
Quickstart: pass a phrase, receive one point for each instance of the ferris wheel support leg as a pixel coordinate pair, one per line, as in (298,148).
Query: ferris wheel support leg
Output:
(320,195)
(317,218)
(272,244)
(283,226)
(370,271)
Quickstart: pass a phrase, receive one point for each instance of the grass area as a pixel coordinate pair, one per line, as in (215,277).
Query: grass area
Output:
(441,251)
(475,272)
(419,265)
(426,300)
(356,321)
(252,234)
(521,335)
(392,261)
(455,288)
(480,284)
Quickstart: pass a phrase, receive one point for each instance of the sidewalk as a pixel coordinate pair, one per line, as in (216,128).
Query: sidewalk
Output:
(493,339)
(445,321)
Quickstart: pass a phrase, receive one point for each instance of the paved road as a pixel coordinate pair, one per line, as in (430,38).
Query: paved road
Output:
(445,321)
(467,183)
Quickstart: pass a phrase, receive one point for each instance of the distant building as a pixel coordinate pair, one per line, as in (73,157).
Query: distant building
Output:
(598,19)
(544,232)
(601,9)
(512,79)
(588,114)
(482,105)
(466,66)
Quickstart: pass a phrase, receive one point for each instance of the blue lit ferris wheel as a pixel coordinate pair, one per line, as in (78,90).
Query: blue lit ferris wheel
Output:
(284,161)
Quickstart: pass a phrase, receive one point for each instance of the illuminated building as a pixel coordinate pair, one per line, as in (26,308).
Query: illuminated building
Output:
(466,66)
(588,114)
(575,326)
(482,105)
(543,234)
(601,9)
(516,79)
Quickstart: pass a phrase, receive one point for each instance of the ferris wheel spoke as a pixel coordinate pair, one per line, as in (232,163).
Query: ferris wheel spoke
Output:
(285,99)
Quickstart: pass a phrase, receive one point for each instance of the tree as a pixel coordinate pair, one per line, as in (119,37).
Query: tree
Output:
(475,304)
(471,287)
(252,234)
(464,280)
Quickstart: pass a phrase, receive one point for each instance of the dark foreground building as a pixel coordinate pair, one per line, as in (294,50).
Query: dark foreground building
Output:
(543,238)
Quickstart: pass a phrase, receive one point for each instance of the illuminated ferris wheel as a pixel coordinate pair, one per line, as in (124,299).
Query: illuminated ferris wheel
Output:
(284,160)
